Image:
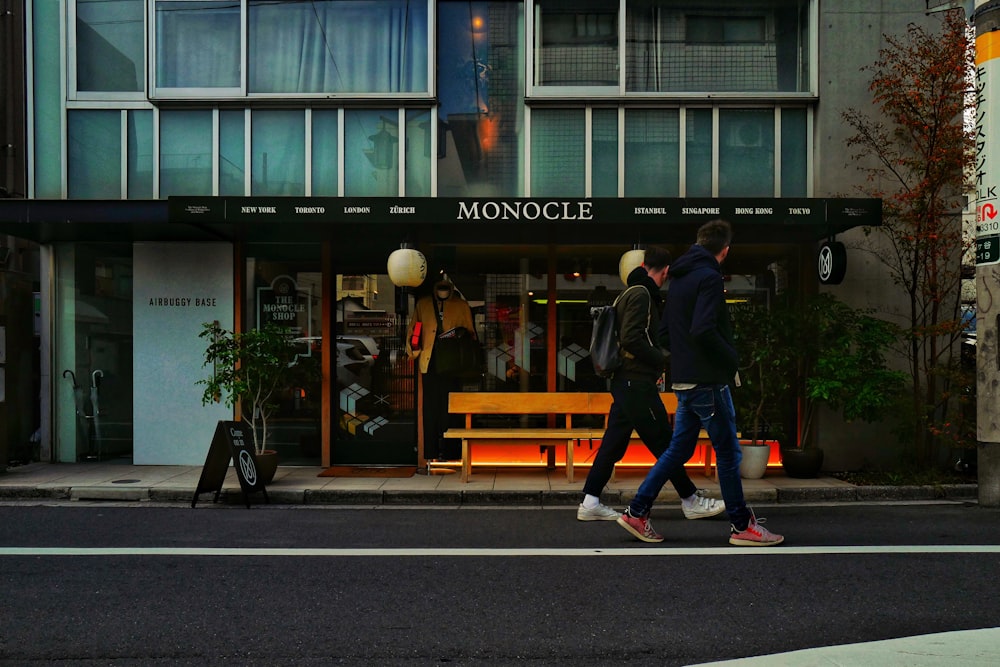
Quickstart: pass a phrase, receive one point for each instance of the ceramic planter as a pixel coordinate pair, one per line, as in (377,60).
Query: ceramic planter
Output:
(754,462)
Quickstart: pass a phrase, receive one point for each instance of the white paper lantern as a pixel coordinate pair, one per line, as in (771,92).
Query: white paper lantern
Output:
(629,262)
(407,267)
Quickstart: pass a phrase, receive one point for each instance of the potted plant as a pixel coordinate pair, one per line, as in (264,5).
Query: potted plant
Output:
(766,372)
(249,368)
(841,360)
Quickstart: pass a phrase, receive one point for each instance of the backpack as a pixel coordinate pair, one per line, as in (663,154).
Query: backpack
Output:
(605,346)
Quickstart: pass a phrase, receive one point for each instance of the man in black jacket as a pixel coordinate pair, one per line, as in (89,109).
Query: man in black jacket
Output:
(637,403)
(697,331)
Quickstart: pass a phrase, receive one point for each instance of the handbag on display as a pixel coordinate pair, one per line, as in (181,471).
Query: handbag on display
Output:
(458,353)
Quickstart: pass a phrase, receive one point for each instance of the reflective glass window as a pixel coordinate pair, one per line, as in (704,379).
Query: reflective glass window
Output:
(604,137)
(576,43)
(198,44)
(730,45)
(558,153)
(480,80)
(140,154)
(652,153)
(185,152)
(232,163)
(337,46)
(324,152)
(94,149)
(419,150)
(109,45)
(278,140)
(698,153)
(794,155)
(371,153)
(746,153)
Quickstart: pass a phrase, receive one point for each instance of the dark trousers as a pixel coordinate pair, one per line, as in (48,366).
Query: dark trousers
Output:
(435,416)
(637,406)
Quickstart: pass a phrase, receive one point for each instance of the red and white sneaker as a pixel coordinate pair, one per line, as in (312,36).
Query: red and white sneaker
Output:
(640,527)
(755,534)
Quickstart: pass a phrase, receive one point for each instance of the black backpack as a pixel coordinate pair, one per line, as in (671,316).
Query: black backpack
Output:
(605,346)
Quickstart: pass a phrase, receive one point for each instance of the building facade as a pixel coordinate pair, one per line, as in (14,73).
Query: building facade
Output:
(247,161)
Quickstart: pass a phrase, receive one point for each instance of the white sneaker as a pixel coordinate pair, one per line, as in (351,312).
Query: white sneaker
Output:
(702,507)
(599,513)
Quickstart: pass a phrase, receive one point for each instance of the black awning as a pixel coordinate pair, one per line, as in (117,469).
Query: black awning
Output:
(433,220)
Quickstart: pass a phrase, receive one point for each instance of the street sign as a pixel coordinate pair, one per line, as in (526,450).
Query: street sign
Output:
(988,249)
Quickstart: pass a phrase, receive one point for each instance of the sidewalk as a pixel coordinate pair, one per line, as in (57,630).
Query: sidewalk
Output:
(294,485)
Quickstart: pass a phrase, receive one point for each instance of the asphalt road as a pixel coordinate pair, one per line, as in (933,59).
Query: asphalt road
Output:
(223,585)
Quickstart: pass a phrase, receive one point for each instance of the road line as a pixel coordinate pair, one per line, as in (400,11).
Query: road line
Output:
(466,552)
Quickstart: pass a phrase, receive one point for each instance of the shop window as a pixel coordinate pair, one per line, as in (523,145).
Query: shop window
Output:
(418,153)
(278,139)
(109,49)
(95,154)
(185,153)
(558,148)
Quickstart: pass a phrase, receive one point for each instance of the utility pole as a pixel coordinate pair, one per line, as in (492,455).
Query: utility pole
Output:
(986,20)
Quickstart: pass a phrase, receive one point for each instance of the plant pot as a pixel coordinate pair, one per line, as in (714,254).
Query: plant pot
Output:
(802,463)
(267,465)
(754,462)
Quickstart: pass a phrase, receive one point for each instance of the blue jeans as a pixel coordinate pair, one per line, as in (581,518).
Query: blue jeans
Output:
(708,407)
(637,406)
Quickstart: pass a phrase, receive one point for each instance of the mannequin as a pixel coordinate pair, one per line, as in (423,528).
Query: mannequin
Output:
(454,311)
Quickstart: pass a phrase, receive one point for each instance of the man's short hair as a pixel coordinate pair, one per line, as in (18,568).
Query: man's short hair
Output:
(656,257)
(715,236)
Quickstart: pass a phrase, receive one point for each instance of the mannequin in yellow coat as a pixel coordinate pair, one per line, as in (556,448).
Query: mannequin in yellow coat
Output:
(455,312)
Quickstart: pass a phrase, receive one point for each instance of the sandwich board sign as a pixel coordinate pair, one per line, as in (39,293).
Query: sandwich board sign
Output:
(232,441)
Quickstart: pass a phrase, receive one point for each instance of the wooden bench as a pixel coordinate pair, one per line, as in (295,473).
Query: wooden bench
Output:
(564,405)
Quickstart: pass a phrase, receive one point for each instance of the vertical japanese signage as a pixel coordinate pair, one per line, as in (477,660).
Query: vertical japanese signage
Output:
(987,166)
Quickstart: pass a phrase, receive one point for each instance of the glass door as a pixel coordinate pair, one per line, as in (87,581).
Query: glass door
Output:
(373,396)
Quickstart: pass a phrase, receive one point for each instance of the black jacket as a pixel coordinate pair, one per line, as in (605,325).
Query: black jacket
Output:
(695,326)
(638,312)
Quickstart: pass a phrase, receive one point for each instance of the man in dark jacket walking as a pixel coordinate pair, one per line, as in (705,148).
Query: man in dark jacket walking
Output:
(637,403)
(697,331)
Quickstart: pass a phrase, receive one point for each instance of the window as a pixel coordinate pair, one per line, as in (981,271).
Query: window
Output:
(278,140)
(557,153)
(371,153)
(338,46)
(232,48)
(576,43)
(185,152)
(95,154)
(109,46)
(677,46)
(198,46)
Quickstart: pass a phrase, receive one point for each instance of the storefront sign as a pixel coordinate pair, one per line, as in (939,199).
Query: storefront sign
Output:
(232,440)
(443,210)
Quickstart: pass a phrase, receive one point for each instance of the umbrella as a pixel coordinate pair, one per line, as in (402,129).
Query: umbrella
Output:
(94,395)
(81,413)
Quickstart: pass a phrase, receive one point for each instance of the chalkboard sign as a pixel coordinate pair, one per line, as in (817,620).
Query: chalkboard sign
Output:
(232,441)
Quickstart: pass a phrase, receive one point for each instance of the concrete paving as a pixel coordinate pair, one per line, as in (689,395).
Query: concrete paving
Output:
(486,486)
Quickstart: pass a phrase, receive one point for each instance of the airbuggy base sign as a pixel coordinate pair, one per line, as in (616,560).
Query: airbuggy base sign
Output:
(230,442)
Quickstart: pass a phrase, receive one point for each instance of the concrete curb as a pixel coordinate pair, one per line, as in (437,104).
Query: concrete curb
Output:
(476,498)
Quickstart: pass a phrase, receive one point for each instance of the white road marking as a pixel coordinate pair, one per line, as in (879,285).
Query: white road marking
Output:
(466,552)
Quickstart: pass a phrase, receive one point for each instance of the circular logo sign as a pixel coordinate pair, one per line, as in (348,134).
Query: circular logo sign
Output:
(247,467)
(832,263)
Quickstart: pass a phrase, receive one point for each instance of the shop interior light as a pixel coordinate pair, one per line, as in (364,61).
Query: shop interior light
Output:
(631,260)
(407,267)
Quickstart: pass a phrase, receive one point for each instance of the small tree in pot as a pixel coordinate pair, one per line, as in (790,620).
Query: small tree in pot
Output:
(249,367)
